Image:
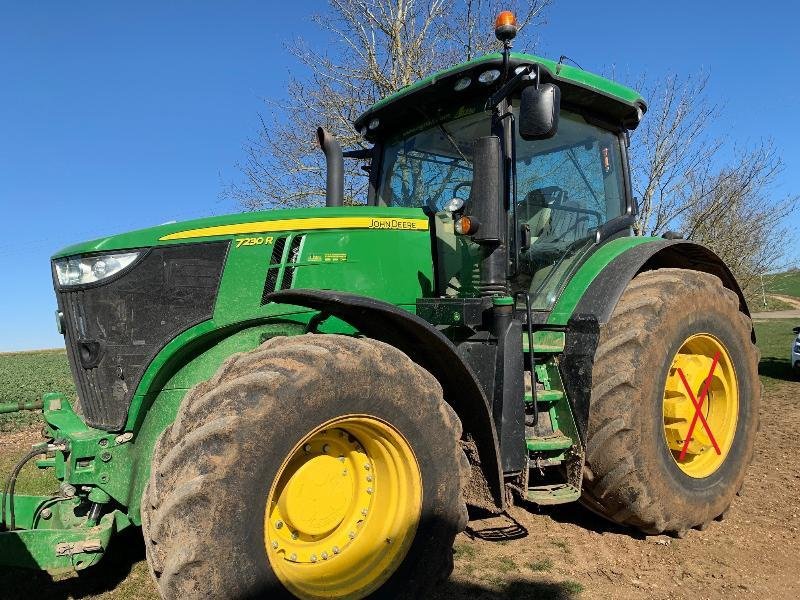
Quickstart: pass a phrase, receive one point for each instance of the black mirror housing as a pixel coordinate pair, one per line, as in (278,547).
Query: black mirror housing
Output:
(539,108)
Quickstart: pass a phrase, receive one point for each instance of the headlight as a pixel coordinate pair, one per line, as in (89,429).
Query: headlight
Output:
(80,270)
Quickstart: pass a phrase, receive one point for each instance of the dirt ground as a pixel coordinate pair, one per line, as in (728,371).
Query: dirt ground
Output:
(754,552)
(566,552)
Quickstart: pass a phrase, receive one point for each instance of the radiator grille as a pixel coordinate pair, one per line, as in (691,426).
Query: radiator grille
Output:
(114,330)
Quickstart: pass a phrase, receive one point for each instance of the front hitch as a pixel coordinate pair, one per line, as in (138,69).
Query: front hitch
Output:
(70,530)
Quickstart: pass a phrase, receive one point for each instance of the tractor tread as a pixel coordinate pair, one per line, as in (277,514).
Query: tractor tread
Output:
(198,453)
(616,487)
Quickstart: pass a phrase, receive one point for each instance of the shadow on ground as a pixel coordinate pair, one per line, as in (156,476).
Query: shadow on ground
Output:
(126,550)
(776,368)
(512,590)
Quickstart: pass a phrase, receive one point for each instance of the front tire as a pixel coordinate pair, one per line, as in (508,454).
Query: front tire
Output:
(671,325)
(316,466)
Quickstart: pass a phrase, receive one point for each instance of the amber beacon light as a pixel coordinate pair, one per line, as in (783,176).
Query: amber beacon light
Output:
(505,26)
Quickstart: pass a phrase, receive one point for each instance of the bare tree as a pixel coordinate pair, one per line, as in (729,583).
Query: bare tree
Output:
(689,181)
(376,48)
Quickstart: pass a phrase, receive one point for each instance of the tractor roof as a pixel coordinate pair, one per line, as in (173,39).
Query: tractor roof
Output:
(579,88)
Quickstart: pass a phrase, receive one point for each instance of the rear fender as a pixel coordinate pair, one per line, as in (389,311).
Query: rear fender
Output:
(600,298)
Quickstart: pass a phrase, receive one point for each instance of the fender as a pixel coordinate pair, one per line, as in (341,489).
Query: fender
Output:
(429,348)
(600,298)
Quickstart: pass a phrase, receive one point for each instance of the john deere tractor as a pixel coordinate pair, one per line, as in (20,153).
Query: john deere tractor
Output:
(303,403)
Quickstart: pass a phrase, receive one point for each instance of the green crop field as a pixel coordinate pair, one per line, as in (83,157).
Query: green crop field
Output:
(787,283)
(25,376)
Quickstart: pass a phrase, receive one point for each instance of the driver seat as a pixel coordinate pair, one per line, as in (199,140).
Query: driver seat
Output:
(536,212)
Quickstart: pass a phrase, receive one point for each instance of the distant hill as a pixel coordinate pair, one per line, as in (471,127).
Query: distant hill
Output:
(787,283)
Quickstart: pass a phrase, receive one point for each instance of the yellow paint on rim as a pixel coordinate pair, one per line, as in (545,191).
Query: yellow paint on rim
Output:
(720,407)
(343,510)
(312,223)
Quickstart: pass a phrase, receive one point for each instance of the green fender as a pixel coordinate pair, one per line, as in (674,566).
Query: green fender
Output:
(590,297)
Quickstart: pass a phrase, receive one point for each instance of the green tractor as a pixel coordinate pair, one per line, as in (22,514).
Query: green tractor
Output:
(303,403)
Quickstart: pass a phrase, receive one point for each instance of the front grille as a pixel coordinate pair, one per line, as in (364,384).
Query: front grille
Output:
(114,329)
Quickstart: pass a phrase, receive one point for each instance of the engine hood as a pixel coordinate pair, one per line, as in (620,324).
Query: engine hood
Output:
(254,223)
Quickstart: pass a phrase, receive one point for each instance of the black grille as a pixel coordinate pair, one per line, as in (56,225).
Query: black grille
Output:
(114,330)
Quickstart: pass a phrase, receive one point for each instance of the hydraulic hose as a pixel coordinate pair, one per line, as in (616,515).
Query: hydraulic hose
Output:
(8,492)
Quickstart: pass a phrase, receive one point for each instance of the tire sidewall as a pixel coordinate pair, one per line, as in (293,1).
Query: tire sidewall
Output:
(278,430)
(696,499)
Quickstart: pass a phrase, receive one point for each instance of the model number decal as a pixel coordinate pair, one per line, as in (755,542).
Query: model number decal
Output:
(253,241)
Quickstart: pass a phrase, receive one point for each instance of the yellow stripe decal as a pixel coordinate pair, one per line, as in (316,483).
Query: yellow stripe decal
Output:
(303,224)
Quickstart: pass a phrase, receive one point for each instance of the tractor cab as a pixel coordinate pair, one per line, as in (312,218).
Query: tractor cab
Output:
(562,190)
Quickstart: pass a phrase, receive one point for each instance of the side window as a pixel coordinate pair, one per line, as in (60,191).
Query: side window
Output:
(567,187)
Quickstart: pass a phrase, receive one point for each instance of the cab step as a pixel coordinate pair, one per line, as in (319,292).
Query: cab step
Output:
(544,396)
(559,493)
(545,444)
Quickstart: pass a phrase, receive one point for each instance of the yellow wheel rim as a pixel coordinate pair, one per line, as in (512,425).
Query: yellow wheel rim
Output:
(705,450)
(343,509)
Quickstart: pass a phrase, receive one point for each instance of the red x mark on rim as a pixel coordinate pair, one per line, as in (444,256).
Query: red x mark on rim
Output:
(698,406)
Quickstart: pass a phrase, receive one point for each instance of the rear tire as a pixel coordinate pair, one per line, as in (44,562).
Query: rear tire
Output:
(633,477)
(216,467)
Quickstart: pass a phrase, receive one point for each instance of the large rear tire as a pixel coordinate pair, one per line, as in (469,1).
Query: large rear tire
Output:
(671,328)
(316,466)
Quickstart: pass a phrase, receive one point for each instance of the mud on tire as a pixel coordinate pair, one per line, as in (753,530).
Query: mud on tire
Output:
(631,477)
(203,507)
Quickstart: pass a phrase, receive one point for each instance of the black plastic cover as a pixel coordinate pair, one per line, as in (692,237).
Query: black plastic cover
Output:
(115,328)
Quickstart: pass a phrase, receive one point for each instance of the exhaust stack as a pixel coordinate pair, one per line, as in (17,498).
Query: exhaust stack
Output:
(334,187)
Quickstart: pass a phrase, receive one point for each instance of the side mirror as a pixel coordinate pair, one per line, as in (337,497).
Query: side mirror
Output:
(538,111)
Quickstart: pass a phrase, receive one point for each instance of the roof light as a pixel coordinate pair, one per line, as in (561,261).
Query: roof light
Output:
(462,84)
(374,124)
(505,26)
(489,76)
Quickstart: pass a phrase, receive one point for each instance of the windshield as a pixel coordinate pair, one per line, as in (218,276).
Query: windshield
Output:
(432,166)
(567,186)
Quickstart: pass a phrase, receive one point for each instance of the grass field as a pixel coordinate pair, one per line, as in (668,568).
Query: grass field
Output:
(787,284)
(123,574)
(25,376)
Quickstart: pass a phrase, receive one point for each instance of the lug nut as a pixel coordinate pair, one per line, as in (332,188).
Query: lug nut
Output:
(46,513)
(325,448)
(336,550)
(366,466)
(324,556)
(278,524)
(364,511)
(313,558)
(352,535)
(294,535)
(307,447)
(274,545)
(369,477)
(369,490)
(293,557)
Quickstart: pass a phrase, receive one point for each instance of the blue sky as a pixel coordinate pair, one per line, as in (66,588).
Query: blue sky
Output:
(119,116)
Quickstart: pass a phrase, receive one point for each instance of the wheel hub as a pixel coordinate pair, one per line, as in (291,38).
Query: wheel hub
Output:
(343,509)
(701,405)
